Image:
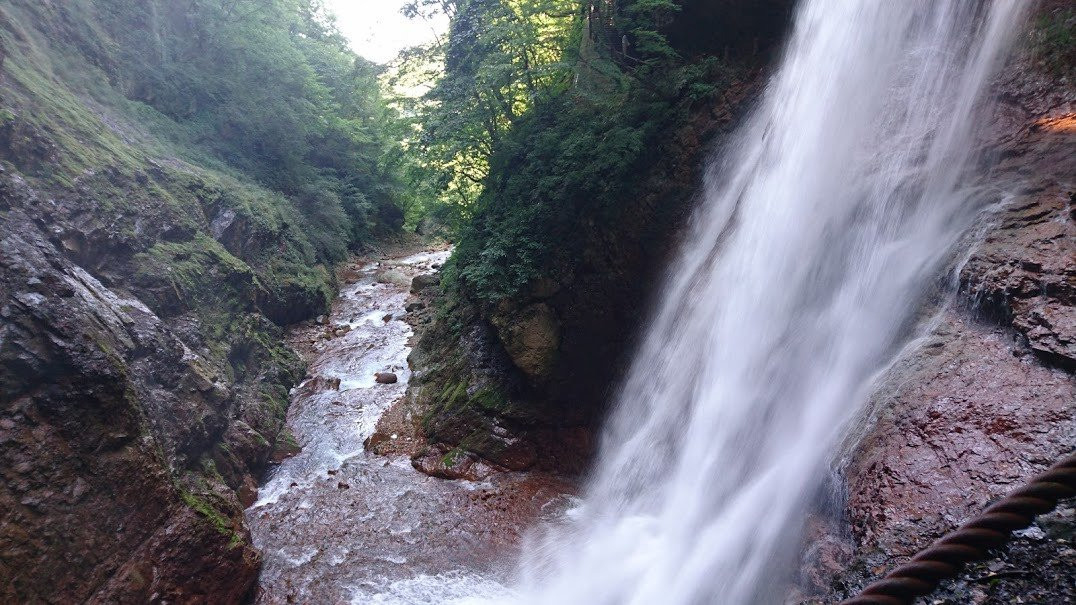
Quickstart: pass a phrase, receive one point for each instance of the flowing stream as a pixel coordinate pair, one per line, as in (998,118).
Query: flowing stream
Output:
(824,227)
(337,523)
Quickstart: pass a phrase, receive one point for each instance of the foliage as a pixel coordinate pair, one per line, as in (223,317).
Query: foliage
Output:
(501,58)
(268,87)
(1054,37)
(553,159)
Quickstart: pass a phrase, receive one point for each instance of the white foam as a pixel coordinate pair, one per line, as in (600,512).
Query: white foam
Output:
(451,588)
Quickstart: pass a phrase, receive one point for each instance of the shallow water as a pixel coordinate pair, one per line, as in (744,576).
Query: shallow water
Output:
(337,524)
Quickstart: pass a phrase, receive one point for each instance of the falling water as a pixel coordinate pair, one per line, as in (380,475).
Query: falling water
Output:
(818,237)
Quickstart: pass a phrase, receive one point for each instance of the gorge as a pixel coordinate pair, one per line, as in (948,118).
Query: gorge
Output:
(730,301)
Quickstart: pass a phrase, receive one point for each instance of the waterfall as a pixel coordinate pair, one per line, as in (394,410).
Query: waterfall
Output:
(824,225)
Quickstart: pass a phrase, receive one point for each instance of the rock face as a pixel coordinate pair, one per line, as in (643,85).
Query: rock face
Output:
(989,397)
(531,337)
(104,417)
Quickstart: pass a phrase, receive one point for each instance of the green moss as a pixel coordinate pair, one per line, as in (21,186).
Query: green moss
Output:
(490,400)
(286,441)
(209,468)
(453,457)
(214,517)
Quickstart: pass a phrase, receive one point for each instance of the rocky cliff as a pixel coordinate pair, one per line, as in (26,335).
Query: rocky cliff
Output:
(143,286)
(988,397)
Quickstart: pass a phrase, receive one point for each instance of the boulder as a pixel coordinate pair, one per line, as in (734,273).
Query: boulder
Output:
(531,337)
(386,378)
(423,281)
(394,277)
(438,461)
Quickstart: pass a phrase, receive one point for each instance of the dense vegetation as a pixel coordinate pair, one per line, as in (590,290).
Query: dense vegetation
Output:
(263,91)
(547,114)
(1054,39)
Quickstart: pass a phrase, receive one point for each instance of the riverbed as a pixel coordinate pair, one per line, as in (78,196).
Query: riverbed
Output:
(336,523)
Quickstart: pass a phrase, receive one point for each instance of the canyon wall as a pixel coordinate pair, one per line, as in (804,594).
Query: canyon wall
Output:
(988,397)
(145,280)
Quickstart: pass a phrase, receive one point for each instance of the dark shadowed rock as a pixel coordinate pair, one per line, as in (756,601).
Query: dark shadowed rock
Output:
(531,337)
(104,417)
(423,281)
(385,378)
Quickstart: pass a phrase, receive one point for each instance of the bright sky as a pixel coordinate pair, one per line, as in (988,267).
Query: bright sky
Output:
(378,31)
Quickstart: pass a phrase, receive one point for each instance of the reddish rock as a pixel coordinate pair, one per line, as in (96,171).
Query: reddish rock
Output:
(966,420)
(386,378)
(106,419)
(989,399)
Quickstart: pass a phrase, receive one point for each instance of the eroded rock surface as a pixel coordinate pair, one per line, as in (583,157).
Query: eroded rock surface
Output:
(103,414)
(988,398)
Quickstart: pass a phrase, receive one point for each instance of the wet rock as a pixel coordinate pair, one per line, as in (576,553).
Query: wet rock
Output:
(285,447)
(342,485)
(319,384)
(387,317)
(987,401)
(956,430)
(447,463)
(105,414)
(385,378)
(415,306)
(531,337)
(423,281)
(248,492)
(1025,272)
(394,277)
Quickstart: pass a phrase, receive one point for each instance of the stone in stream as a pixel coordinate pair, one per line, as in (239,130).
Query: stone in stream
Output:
(393,276)
(385,378)
(415,306)
(423,281)
(387,317)
(319,384)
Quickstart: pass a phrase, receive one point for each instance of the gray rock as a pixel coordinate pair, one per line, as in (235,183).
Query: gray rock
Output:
(423,281)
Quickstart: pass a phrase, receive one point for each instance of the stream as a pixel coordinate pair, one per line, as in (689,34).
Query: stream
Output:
(338,524)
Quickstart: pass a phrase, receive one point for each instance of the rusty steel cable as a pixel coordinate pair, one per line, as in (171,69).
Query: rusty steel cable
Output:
(973,540)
